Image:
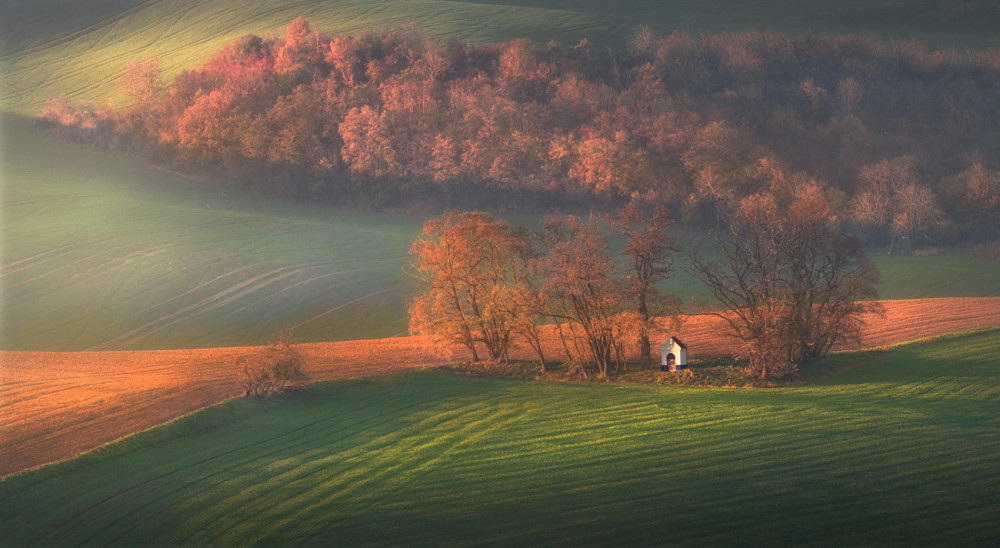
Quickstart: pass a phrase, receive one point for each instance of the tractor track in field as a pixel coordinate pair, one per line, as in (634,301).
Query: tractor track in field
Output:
(208,304)
(54,405)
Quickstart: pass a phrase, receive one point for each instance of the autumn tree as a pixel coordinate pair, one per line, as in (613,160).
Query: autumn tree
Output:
(891,197)
(583,294)
(300,132)
(680,117)
(301,48)
(473,266)
(791,286)
(527,308)
(367,148)
(141,81)
(649,249)
(974,194)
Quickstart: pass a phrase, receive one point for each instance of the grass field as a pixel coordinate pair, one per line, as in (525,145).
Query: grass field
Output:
(901,450)
(63,47)
(101,253)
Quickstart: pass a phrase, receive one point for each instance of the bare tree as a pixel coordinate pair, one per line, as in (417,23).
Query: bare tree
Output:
(872,205)
(891,197)
(830,280)
(917,213)
(650,251)
(850,92)
(791,285)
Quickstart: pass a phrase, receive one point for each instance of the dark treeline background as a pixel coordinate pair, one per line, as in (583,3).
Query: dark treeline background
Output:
(903,140)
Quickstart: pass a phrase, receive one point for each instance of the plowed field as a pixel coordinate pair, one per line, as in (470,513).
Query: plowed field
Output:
(58,404)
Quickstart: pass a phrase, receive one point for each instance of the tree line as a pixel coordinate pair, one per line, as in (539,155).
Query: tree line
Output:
(905,138)
(791,284)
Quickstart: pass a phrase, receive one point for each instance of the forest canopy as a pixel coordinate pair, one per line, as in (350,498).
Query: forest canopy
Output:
(903,140)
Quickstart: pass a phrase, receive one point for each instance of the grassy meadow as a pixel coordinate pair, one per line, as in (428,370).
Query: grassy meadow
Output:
(902,450)
(101,253)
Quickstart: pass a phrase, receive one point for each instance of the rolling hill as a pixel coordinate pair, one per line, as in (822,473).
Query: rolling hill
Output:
(105,254)
(901,450)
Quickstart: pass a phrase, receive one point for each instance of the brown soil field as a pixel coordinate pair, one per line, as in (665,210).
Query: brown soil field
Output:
(54,405)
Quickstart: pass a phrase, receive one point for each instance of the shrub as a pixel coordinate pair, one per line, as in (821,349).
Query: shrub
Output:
(275,369)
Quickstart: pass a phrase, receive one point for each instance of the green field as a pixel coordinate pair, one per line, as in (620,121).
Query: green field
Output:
(902,450)
(54,47)
(909,277)
(101,253)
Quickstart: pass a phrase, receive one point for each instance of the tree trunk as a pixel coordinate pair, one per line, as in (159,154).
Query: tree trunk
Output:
(645,352)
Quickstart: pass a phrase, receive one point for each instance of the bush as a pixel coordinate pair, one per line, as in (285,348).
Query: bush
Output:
(275,369)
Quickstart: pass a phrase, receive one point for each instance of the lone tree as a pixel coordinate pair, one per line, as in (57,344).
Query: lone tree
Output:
(793,286)
(474,265)
(649,249)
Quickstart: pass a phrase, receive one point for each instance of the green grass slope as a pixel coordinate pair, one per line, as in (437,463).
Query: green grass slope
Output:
(904,450)
(101,253)
(910,277)
(65,47)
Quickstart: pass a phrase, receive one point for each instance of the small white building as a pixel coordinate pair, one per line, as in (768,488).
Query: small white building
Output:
(673,355)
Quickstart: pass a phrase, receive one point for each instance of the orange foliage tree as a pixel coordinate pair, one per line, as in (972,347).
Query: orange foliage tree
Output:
(397,115)
(473,266)
(583,293)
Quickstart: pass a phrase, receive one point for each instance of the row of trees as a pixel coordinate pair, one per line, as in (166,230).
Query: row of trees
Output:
(791,284)
(396,116)
(489,284)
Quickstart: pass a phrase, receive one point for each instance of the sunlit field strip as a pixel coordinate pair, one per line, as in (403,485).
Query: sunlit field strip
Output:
(428,458)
